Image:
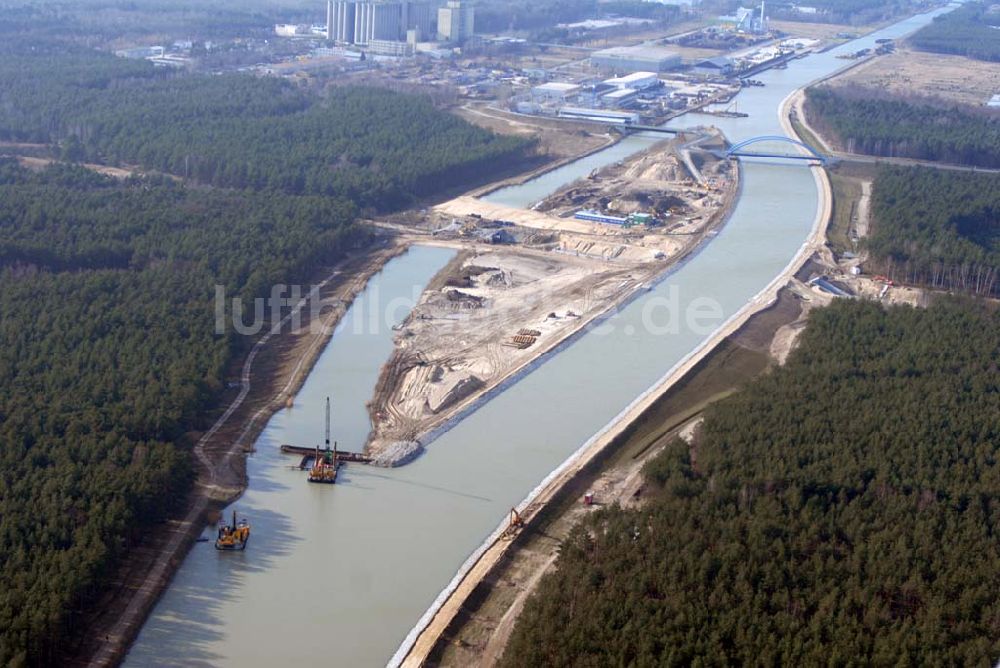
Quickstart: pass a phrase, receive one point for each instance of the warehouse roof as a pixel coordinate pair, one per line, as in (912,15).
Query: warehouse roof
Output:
(557,87)
(718,62)
(620,93)
(640,51)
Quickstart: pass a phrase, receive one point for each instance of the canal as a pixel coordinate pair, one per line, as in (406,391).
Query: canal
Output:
(340,574)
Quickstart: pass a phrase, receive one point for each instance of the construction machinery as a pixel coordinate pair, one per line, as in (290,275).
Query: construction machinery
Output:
(325,464)
(233,536)
(514,524)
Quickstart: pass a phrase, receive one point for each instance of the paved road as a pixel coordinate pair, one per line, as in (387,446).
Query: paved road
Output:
(796,105)
(909,162)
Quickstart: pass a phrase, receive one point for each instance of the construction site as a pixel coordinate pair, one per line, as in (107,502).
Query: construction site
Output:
(526,280)
(632,194)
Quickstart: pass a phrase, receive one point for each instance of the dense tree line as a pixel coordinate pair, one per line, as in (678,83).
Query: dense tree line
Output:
(531,14)
(849,12)
(640,9)
(377,148)
(864,120)
(841,510)
(109,357)
(541,16)
(972,30)
(937,228)
(102,21)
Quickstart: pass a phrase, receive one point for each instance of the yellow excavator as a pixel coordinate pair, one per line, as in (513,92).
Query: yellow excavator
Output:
(233,536)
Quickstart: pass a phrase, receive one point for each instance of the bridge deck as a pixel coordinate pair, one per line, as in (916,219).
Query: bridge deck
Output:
(784,156)
(738,149)
(645,128)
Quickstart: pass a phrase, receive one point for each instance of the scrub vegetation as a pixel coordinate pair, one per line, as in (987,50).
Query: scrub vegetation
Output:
(972,30)
(863,120)
(841,509)
(937,228)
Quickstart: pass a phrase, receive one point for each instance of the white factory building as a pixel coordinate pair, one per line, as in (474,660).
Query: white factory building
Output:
(554,91)
(141,52)
(619,97)
(636,81)
(599,115)
(627,59)
(291,30)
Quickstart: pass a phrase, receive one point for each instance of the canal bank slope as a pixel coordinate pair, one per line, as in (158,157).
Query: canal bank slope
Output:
(426,635)
(270,375)
(479,635)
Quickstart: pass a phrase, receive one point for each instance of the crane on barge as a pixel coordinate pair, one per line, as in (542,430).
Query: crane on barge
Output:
(325,465)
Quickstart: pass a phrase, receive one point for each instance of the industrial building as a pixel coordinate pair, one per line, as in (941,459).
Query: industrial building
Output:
(596,217)
(291,30)
(635,59)
(420,19)
(717,66)
(141,52)
(456,22)
(628,221)
(599,115)
(619,97)
(362,22)
(748,20)
(340,21)
(377,21)
(554,91)
(390,47)
(636,81)
(171,60)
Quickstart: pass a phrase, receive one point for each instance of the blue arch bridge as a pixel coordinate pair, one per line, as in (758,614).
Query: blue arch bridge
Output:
(739,150)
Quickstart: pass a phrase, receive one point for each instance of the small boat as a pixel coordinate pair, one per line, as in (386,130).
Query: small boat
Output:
(233,536)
